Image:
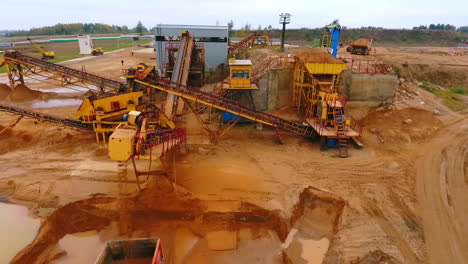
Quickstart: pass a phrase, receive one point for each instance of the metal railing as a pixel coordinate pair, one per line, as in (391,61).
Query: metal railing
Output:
(367,66)
(165,139)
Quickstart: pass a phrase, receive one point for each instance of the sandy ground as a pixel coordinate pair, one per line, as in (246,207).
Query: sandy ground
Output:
(442,185)
(404,192)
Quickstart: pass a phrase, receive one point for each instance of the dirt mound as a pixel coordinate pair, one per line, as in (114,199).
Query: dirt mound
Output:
(445,76)
(23,93)
(362,42)
(409,125)
(4,91)
(318,58)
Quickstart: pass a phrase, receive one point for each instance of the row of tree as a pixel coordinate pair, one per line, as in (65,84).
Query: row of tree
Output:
(436,27)
(78,28)
(96,28)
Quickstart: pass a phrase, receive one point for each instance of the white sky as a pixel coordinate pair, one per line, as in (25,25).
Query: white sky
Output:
(25,14)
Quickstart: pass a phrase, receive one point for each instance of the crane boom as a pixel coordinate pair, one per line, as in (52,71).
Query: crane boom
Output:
(45,54)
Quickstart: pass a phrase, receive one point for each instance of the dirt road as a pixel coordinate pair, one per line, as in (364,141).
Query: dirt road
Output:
(442,186)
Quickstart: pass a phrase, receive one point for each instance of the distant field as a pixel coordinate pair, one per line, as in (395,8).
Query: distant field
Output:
(69,50)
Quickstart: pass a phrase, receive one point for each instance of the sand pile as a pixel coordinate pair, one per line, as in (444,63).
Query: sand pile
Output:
(308,57)
(23,93)
(4,91)
(409,125)
(361,42)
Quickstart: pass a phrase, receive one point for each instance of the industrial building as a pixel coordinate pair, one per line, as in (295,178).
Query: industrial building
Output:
(213,38)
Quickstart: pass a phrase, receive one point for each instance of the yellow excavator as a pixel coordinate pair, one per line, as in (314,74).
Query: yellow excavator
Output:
(46,54)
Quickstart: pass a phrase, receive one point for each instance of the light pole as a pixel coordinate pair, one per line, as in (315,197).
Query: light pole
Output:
(285,18)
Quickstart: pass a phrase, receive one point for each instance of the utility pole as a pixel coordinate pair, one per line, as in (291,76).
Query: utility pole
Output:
(285,18)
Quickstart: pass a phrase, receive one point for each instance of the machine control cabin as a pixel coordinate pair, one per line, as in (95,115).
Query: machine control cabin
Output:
(240,75)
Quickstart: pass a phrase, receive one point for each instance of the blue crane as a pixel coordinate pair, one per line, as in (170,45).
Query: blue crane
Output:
(334,30)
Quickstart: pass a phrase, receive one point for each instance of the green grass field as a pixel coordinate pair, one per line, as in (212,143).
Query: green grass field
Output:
(69,50)
(449,97)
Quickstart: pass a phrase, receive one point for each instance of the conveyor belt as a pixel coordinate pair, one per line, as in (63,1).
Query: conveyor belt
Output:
(224,104)
(101,82)
(46,118)
(235,47)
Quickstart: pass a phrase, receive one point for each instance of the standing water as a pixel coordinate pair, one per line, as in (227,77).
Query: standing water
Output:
(80,248)
(17,230)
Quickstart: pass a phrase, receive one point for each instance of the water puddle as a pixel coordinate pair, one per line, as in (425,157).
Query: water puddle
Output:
(56,103)
(313,251)
(17,230)
(81,248)
(70,89)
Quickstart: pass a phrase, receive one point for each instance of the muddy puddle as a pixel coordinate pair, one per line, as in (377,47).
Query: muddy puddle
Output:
(190,233)
(17,230)
(55,103)
(80,248)
(301,249)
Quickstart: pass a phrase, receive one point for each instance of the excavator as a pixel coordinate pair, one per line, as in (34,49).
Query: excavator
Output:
(96,51)
(46,54)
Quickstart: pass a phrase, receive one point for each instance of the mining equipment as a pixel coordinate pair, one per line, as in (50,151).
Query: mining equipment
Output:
(239,85)
(316,80)
(46,55)
(253,39)
(147,134)
(332,38)
(316,92)
(97,51)
(361,46)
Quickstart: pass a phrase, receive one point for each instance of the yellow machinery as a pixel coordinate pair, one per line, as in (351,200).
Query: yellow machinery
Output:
(240,75)
(141,72)
(106,113)
(316,79)
(121,144)
(97,51)
(45,54)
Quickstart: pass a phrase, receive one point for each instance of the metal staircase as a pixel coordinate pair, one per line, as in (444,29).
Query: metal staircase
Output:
(264,67)
(340,126)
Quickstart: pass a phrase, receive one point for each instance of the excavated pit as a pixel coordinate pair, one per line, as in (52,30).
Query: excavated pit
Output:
(189,230)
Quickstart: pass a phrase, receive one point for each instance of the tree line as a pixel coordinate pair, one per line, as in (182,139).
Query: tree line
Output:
(77,29)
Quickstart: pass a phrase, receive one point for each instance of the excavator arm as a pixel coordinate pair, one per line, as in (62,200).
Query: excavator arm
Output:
(45,54)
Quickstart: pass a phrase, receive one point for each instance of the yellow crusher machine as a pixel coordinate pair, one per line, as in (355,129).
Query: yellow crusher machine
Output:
(316,93)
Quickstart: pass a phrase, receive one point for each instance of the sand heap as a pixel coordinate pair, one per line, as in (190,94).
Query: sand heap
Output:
(5,90)
(23,93)
(409,125)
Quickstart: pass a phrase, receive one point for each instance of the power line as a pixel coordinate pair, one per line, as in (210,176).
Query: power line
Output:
(285,18)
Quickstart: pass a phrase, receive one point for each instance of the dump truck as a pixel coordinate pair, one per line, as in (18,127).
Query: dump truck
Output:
(360,47)
(141,250)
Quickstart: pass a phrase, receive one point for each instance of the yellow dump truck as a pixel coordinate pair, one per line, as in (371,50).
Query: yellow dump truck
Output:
(361,46)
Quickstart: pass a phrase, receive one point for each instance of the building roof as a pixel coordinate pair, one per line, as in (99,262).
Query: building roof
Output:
(196,30)
(240,62)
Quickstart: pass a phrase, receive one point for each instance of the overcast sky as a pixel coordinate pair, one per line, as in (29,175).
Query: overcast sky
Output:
(25,14)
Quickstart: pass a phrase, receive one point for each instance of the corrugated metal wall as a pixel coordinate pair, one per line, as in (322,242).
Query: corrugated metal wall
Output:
(214,38)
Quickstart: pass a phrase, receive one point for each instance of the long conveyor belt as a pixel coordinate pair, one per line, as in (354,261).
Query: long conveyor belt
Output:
(101,82)
(43,117)
(224,104)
